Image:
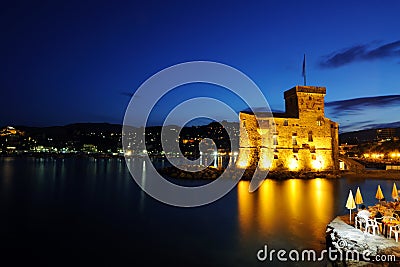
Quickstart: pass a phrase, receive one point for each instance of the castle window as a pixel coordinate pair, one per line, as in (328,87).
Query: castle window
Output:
(294,139)
(320,121)
(275,140)
(264,124)
(285,123)
(275,156)
(310,137)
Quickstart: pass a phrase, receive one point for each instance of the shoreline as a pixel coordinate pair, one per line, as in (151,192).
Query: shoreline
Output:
(214,173)
(374,174)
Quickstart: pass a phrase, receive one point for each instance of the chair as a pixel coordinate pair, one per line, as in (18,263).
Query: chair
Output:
(395,230)
(371,224)
(380,223)
(387,220)
(359,222)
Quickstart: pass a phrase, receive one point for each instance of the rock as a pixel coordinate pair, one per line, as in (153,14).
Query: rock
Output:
(345,238)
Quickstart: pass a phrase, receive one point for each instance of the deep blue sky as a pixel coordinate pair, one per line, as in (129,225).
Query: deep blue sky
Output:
(71,61)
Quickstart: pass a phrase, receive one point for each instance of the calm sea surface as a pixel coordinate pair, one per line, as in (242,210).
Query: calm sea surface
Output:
(87,212)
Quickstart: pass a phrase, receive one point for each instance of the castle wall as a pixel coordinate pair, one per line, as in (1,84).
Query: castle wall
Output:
(308,141)
(250,141)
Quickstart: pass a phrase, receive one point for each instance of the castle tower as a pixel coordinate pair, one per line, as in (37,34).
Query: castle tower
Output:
(305,102)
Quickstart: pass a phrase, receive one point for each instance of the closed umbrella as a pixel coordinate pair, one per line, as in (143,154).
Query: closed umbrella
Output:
(358,199)
(395,193)
(350,204)
(379,195)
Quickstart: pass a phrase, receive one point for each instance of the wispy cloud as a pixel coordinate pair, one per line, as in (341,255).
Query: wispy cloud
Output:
(365,113)
(359,104)
(360,53)
(381,125)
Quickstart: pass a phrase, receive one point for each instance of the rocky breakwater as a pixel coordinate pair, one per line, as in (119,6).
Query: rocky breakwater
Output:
(353,247)
(191,172)
(199,172)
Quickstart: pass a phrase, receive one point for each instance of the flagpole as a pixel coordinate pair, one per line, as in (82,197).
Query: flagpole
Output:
(304,70)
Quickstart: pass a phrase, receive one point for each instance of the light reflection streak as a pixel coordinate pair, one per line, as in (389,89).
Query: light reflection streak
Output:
(293,209)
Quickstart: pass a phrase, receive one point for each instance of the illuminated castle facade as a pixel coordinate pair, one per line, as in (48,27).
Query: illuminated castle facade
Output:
(301,139)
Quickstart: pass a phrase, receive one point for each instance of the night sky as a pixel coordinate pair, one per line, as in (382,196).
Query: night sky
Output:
(65,61)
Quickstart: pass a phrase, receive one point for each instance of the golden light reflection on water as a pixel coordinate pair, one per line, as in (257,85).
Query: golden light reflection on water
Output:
(6,173)
(266,204)
(293,209)
(246,207)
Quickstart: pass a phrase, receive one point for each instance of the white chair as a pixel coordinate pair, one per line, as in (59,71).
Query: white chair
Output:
(380,223)
(371,224)
(388,220)
(395,230)
(359,222)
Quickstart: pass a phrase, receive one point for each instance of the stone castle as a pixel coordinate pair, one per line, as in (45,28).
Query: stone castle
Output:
(300,139)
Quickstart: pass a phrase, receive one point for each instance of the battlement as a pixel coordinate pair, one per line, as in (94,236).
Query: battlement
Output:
(305,89)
